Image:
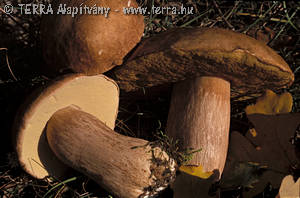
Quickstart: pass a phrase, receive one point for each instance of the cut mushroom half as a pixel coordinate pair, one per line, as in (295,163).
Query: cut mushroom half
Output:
(204,64)
(97,95)
(127,167)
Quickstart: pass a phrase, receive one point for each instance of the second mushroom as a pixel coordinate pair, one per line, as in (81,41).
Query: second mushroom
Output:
(205,64)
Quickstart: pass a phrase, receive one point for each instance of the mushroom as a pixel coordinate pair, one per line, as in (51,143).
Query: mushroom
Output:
(208,62)
(127,167)
(90,43)
(97,95)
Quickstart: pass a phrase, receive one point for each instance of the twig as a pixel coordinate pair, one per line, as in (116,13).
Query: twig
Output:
(14,20)
(222,15)
(195,18)
(282,29)
(261,16)
(58,185)
(8,65)
(125,128)
(257,20)
(288,17)
(236,6)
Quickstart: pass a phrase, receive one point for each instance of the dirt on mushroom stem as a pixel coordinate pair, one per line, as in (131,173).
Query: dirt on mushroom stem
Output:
(159,168)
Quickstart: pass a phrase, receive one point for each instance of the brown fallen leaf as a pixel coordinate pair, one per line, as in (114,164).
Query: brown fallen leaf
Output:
(270,104)
(276,152)
(242,174)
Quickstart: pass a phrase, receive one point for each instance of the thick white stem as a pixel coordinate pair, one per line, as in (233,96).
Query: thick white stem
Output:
(127,167)
(199,118)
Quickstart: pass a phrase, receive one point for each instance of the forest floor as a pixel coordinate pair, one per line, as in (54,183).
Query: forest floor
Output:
(276,23)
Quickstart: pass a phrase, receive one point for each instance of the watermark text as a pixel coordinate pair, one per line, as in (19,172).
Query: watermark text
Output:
(64,9)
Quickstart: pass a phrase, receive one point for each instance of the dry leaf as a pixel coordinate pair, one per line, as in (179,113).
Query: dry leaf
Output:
(271,103)
(253,132)
(276,151)
(244,174)
(195,171)
(289,188)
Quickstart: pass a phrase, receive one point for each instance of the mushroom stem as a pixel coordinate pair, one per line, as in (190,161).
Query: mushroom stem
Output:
(199,118)
(127,167)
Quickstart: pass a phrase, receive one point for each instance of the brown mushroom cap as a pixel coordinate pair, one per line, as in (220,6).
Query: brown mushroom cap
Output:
(89,43)
(97,95)
(249,65)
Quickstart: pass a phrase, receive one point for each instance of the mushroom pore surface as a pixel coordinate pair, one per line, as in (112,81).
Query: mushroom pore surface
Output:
(97,95)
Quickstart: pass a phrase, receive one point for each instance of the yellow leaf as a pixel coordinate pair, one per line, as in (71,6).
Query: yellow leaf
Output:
(271,103)
(252,131)
(195,171)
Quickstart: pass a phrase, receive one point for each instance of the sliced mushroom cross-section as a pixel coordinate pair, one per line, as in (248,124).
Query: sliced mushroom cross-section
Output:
(97,95)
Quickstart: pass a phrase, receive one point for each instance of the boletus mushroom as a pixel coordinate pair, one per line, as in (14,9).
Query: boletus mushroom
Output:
(97,95)
(204,64)
(90,43)
(127,167)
